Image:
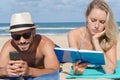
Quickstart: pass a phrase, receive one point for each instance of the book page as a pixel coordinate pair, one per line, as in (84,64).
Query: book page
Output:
(66,49)
(90,51)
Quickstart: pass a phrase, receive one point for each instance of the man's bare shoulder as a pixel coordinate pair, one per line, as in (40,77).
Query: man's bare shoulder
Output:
(44,40)
(45,44)
(6,48)
(7,45)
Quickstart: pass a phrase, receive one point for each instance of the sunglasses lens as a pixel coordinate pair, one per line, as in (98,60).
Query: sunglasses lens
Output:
(16,37)
(27,35)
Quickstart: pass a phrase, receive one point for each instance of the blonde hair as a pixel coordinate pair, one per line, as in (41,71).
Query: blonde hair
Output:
(111,29)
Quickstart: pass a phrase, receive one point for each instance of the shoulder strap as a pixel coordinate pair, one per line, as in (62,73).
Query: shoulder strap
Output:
(83,39)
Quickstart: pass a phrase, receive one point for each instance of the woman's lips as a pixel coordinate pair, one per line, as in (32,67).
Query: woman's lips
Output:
(96,31)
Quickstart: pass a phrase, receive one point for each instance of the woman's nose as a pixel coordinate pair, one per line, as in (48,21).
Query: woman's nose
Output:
(97,25)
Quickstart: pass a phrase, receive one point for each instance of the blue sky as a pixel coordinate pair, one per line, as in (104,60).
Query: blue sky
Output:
(52,10)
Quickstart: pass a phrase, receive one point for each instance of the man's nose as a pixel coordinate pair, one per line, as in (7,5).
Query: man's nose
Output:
(22,39)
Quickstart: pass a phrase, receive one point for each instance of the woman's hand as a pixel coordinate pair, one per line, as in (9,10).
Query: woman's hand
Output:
(98,35)
(95,40)
(79,67)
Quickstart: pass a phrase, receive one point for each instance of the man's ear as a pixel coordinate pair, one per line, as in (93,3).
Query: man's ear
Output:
(34,32)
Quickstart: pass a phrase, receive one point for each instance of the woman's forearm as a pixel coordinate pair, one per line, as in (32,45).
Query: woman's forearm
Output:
(109,66)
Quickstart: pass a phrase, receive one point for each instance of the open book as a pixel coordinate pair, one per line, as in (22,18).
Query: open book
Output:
(72,55)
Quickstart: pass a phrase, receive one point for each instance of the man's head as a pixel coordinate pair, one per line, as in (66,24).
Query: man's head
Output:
(22,30)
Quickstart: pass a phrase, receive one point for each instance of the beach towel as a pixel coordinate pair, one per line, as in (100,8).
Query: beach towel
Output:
(96,73)
(51,76)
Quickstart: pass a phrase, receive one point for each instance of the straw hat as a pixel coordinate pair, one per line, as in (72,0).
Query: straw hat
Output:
(21,21)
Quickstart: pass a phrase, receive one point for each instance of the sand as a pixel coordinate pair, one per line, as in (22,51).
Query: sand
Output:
(61,40)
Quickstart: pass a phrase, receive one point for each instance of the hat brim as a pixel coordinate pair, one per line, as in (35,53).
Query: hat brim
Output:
(21,29)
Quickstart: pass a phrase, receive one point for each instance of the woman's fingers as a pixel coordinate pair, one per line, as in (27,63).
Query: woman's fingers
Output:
(79,67)
(77,63)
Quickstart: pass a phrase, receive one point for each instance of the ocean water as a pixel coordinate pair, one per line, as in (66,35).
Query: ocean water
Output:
(47,28)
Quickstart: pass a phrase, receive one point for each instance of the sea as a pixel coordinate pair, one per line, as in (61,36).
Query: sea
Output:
(47,28)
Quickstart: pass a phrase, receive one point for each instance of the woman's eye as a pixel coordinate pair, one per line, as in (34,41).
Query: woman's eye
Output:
(93,20)
(102,21)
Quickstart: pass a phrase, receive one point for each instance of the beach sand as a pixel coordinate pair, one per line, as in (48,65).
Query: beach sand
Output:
(61,40)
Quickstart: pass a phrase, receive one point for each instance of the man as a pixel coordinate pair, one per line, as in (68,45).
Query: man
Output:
(34,50)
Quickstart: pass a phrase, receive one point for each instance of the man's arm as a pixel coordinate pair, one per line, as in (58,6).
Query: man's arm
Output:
(50,60)
(4,58)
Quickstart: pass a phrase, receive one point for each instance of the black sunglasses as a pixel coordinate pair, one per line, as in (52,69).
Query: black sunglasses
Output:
(18,36)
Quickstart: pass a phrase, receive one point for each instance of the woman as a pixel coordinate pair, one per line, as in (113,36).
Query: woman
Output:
(100,33)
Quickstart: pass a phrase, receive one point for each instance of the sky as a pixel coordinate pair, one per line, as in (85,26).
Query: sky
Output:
(52,10)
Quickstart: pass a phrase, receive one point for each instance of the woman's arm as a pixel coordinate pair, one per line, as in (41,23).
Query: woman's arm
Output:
(110,55)
(110,60)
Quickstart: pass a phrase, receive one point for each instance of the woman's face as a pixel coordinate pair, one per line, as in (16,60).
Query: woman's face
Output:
(96,21)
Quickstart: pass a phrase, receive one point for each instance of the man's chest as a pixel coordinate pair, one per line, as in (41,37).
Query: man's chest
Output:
(32,60)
